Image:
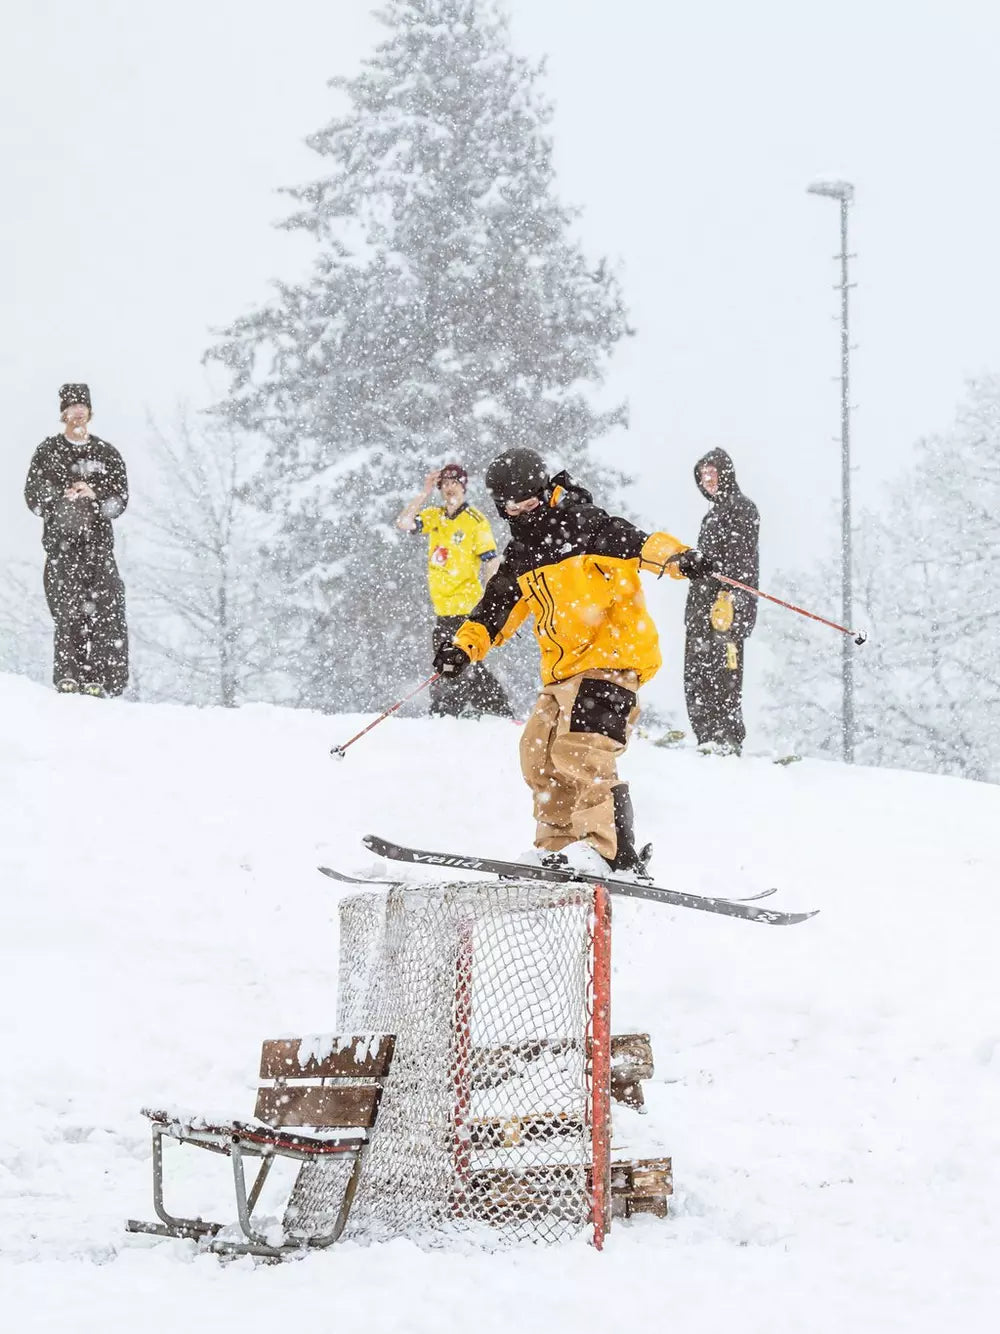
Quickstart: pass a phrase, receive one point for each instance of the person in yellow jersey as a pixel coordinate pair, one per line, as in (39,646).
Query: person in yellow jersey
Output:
(461,557)
(575,569)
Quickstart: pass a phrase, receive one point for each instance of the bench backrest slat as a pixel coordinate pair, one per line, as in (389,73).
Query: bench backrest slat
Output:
(353,1058)
(328,1105)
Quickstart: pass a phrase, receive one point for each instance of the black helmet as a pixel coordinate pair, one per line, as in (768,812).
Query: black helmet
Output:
(515,475)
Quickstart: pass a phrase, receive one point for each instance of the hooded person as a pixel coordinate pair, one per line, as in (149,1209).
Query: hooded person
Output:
(719,619)
(77,485)
(574,568)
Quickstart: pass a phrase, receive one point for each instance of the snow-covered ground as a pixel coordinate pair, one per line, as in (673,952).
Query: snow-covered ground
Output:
(830,1092)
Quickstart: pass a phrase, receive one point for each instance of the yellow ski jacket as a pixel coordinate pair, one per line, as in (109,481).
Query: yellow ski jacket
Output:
(575,568)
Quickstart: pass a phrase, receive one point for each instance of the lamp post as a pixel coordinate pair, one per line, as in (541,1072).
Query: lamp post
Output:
(844,192)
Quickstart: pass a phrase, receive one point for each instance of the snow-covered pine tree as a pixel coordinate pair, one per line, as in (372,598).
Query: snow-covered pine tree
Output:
(450,312)
(928,680)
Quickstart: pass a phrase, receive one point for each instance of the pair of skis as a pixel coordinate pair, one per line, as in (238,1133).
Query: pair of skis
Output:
(526,871)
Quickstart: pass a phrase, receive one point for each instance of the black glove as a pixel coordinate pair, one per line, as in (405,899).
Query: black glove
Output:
(449,660)
(694,564)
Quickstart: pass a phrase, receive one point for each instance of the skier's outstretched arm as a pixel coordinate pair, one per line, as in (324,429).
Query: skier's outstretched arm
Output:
(496,616)
(608,535)
(661,552)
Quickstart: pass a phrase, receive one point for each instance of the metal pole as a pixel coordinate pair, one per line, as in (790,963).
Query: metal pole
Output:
(844,192)
(845,484)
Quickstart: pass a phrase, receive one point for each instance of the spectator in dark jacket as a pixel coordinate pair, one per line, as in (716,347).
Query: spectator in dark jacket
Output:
(77,486)
(718,619)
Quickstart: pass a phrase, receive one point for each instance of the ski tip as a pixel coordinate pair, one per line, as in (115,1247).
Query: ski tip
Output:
(338,876)
(773,918)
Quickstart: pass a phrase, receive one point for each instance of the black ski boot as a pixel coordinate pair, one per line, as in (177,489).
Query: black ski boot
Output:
(627,858)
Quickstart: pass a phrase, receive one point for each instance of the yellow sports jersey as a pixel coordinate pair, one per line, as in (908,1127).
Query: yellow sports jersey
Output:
(456,547)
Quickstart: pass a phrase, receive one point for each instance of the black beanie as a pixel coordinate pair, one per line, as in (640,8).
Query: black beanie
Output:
(74,393)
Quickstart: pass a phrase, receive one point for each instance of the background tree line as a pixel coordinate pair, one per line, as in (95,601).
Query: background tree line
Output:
(927,683)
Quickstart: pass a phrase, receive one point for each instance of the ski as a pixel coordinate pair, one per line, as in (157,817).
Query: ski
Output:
(627,888)
(353,879)
(752,898)
(346,879)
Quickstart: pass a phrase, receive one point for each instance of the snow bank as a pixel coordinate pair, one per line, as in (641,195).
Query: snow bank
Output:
(829,1092)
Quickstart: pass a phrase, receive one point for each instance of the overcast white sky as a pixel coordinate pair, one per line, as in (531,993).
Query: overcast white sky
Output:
(141,146)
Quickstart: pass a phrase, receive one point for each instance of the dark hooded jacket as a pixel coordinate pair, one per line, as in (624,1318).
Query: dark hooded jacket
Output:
(729,537)
(80,529)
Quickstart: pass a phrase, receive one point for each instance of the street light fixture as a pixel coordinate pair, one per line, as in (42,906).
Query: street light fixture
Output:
(844,192)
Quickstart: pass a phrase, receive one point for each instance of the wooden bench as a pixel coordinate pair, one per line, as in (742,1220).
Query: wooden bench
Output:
(316,1086)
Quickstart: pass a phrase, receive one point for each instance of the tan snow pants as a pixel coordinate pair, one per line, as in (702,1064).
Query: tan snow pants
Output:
(569,753)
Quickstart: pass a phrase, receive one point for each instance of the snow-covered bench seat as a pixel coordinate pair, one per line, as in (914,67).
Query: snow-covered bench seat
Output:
(319,1089)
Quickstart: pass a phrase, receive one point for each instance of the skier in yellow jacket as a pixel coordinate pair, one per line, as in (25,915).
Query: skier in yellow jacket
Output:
(575,568)
(460,547)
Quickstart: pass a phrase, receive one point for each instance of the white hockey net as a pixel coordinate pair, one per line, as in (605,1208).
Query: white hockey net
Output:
(494,1116)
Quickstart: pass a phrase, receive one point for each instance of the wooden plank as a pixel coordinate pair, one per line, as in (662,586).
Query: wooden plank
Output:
(626,1048)
(652,1178)
(643,1186)
(631,1056)
(498,1196)
(513,1131)
(658,1206)
(539,1174)
(492,1065)
(328,1105)
(352,1058)
(625,1206)
(629,1092)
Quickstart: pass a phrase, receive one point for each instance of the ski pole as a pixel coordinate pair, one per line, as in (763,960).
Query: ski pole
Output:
(859,636)
(340,751)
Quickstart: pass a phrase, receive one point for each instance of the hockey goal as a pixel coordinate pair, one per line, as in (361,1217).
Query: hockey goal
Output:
(495,1116)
